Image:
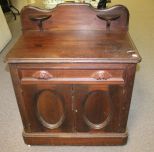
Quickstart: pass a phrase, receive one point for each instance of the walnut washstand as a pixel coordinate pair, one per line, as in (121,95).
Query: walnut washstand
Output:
(73,70)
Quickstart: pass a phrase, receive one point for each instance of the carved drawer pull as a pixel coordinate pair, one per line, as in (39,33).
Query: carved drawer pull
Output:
(101,75)
(42,75)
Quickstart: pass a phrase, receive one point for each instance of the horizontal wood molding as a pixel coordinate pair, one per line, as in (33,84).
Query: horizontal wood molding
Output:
(76,135)
(76,139)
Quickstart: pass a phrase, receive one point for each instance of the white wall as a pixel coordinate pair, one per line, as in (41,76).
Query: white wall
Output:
(5,34)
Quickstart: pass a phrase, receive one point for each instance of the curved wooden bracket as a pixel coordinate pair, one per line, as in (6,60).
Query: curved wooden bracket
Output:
(101,75)
(108,18)
(39,19)
(42,75)
(117,12)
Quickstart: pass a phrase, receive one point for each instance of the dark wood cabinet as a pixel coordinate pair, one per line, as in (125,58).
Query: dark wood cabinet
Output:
(70,108)
(74,86)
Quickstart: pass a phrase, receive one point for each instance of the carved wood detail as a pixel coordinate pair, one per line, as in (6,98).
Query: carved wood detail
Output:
(101,75)
(42,75)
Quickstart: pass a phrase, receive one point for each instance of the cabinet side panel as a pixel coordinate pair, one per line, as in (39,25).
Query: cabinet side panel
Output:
(18,93)
(127,95)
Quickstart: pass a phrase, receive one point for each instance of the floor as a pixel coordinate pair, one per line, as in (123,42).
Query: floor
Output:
(141,120)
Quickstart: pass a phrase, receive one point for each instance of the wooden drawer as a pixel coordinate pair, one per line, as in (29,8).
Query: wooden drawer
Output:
(71,75)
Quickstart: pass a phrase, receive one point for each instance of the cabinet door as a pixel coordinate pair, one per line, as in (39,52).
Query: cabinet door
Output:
(97,109)
(48,108)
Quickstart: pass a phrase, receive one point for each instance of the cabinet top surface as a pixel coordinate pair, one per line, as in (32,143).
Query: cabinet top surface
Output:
(76,45)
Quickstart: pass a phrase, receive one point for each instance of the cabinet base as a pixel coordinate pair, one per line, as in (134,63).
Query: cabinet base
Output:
(90,139)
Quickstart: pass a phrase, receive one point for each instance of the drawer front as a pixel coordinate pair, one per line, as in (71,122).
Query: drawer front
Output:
(72,75)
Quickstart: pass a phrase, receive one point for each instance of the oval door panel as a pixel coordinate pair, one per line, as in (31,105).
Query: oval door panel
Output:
(97,109)
(50,109)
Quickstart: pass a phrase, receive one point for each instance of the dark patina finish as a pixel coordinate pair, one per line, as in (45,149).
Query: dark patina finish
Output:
(73,80)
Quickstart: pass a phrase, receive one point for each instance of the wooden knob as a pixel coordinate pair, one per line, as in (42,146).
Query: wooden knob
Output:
(101,75)
(42,75)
